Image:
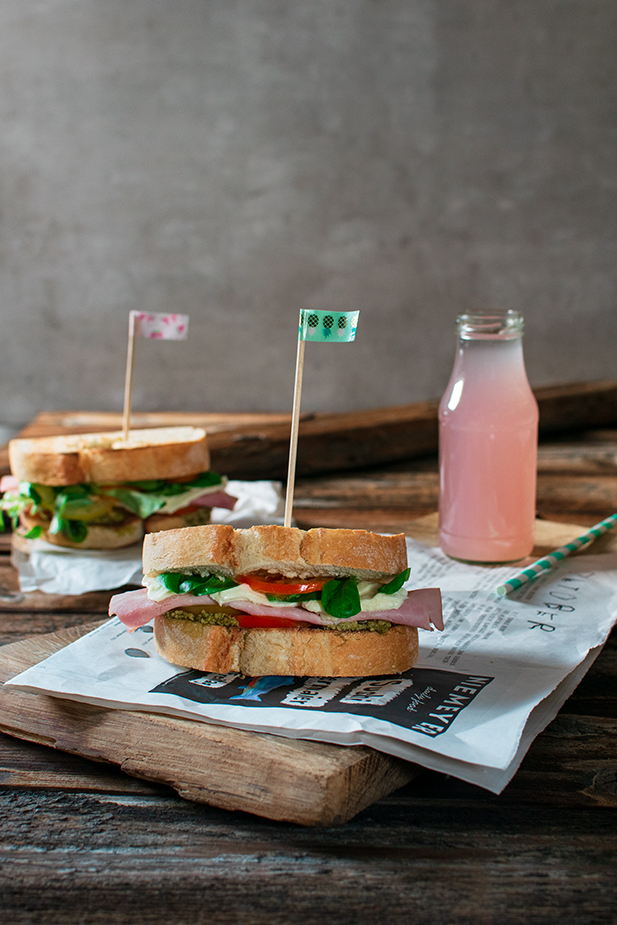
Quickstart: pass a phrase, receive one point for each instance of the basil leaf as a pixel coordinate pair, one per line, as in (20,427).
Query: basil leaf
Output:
(180,583)
(295,598)
(340,598)
(34,533)
(397,582)
(216,583)
(171,581)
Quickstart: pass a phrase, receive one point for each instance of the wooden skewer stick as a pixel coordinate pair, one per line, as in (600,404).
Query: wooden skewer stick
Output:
(128,380)
(293,444)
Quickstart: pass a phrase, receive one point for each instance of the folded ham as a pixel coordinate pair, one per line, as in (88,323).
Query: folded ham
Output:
(215,499)
(421,608)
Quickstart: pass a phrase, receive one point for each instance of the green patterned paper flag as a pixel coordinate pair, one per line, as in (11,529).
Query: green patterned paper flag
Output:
(331,327)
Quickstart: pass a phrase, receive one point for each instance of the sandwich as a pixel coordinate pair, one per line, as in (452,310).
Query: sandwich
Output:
(98,491)
(272,600)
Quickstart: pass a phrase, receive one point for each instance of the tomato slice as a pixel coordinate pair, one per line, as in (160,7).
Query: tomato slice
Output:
(248,620)
(282,585)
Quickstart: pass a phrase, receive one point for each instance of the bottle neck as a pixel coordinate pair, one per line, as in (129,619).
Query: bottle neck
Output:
(490,326)
(490,359)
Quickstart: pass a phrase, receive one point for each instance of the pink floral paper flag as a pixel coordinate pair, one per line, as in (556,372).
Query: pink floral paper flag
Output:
(160,326)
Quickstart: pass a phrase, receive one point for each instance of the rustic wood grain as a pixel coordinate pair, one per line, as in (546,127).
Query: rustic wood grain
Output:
(416,488)
(304,782)
(26,766)
(257,446)
(425,859)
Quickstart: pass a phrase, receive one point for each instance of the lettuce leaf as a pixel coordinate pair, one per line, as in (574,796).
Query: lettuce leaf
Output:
(138,502)
(146,498)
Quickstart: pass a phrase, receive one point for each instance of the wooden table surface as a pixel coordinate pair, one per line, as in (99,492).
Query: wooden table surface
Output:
(82,842)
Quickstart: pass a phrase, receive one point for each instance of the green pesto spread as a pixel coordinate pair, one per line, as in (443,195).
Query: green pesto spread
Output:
(211,618)
(208,617)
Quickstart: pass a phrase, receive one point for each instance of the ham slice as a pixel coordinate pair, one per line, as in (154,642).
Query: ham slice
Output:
(421,608)
(136,609)
(215,499)
(9,483)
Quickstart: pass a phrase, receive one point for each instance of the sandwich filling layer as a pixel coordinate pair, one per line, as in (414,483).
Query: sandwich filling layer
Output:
(72,509)
(278,577)
(420,608)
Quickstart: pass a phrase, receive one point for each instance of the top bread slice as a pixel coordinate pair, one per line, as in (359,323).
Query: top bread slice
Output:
(275,550)
(153,453)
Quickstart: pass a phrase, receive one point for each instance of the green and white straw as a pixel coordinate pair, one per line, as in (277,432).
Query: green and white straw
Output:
(548,562)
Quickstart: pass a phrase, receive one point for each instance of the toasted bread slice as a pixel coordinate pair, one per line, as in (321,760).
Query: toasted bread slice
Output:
(301,651)
(154,453)
(276,550)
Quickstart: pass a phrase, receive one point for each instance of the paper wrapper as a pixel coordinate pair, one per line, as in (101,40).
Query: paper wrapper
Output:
(56,570)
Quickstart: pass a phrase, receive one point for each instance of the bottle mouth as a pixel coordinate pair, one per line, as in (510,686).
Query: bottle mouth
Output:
(490,324)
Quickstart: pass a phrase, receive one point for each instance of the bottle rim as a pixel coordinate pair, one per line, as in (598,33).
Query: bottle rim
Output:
(503,324)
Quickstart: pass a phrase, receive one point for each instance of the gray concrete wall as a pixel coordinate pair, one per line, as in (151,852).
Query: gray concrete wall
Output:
(239,159)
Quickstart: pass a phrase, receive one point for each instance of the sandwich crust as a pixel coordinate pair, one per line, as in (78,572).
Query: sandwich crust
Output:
(303,651)
(275,550)
(153,453)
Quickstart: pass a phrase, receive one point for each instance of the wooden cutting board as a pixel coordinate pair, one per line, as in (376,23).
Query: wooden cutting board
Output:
(286,779)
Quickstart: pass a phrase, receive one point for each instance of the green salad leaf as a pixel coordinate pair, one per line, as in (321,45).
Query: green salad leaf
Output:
(295,598)
(75,530)
(71,506)
(146,498)
(340,598)
(180,583)
(397,582)
(139,502)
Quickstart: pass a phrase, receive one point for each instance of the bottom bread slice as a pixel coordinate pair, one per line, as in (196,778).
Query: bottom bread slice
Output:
(302,651)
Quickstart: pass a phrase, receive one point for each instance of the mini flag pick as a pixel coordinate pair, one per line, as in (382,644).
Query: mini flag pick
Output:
(160,326)
(157,326)
(327,327)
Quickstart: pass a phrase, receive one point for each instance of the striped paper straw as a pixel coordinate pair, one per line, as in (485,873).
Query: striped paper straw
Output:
(548,562)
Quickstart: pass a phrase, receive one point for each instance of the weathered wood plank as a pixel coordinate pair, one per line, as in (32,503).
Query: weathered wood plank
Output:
(15,624)
(257,446)
(153,862)
(305,782)
(26,766)
(416,487)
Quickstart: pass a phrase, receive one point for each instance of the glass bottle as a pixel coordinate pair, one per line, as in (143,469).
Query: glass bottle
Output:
(488,438)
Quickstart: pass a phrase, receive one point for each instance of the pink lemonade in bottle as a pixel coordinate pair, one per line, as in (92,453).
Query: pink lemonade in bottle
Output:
(488,437)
